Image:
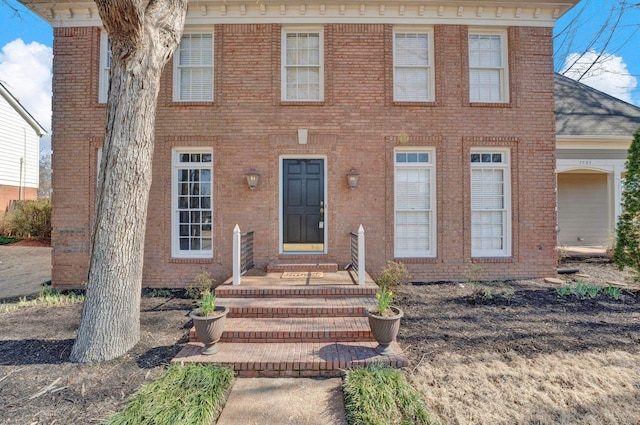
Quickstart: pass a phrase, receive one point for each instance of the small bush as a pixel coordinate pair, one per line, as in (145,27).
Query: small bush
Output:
(30,219)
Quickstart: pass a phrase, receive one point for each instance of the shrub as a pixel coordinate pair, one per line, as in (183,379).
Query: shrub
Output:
(30,219)
(627,250)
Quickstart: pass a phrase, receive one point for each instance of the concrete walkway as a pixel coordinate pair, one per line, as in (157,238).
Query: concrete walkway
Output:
(284,401)
(23,270)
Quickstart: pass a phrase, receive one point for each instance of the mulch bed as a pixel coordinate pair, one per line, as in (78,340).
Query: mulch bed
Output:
(439,318)
(33,242)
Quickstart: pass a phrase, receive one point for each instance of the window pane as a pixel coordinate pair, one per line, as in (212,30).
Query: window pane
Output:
(302,66)
(485,85)
(195,67)
(485,68)
(413,204)
(411,84)
(194,203)
(413,189)
(489,205)
(411,67)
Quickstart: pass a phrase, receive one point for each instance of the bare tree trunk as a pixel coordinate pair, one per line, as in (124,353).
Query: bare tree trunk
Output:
(143,35)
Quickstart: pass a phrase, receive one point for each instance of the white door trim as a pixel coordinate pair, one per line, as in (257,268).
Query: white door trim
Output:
(280,200)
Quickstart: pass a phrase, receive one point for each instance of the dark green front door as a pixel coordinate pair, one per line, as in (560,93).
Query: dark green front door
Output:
(303,205)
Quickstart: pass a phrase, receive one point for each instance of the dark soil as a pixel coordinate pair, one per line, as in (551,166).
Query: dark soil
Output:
(34,353)
(526,317)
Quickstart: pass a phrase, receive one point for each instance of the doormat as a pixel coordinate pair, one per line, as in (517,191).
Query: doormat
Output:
(301,275)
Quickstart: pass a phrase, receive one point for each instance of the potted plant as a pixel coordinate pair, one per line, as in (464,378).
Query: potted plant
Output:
(208,318)
(384,318)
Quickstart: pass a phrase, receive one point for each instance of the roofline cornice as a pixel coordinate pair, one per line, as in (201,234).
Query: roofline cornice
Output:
(71,13)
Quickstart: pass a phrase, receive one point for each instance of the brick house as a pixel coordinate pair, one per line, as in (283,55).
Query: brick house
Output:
(445,111)
(19,151)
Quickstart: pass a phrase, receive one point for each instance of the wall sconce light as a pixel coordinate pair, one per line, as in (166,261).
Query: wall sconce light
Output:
(252,178)
(352,178)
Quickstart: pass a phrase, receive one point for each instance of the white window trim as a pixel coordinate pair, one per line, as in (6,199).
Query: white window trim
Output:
(176,252)
(104,76)
(508,220)
(176,61)
(432,253)
(504,74)
(430,68)
(283,61)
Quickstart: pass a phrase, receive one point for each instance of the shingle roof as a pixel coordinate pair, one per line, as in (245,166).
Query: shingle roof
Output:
(585,111)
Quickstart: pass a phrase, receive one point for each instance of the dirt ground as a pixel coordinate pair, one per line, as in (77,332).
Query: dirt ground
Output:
(525,356)
(34,354)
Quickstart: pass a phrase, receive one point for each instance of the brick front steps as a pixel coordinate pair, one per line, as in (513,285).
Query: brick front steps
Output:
(295,328)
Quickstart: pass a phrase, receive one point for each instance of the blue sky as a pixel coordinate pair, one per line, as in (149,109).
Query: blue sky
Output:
(28,26)
(618,74)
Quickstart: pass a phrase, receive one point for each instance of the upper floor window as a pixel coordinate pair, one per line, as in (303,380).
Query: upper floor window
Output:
(412,66)
(105,68)
(193,69)
(488,67)
(302,65)
(415,203)
(490,203)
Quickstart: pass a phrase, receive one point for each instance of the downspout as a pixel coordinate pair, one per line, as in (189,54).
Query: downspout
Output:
(23,167)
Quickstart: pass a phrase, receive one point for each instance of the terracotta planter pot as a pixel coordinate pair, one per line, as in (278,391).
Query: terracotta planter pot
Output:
(384,329)
(209,328)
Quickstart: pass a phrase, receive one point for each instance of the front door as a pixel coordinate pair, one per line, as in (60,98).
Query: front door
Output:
(303,205)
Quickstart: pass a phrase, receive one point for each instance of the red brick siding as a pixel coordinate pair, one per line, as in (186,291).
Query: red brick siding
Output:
(12,193)
(357,125)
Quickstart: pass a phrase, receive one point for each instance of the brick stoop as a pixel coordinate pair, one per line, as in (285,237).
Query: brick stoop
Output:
(297,330)
(293,359)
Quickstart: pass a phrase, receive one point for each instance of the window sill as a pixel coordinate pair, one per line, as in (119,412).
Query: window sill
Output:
(492,260)
(201,260)
(416,260)
(193,103)
(302,103)
(429,103)
(490,104)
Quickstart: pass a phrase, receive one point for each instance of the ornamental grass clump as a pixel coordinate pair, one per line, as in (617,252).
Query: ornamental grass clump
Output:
(379,395)
(207,301)
(389,280)
(189,395)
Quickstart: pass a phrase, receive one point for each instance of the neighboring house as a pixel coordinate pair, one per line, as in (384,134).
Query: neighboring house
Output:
(593,133)
(19,151)
(445,110)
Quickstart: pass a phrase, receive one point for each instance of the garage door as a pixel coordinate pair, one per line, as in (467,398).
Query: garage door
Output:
(583,209)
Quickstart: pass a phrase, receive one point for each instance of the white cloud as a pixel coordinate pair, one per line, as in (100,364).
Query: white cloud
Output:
(26,71)
(609,74)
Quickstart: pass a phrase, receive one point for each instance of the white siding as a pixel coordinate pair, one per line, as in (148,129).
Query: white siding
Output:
(583,209)
(17,140)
